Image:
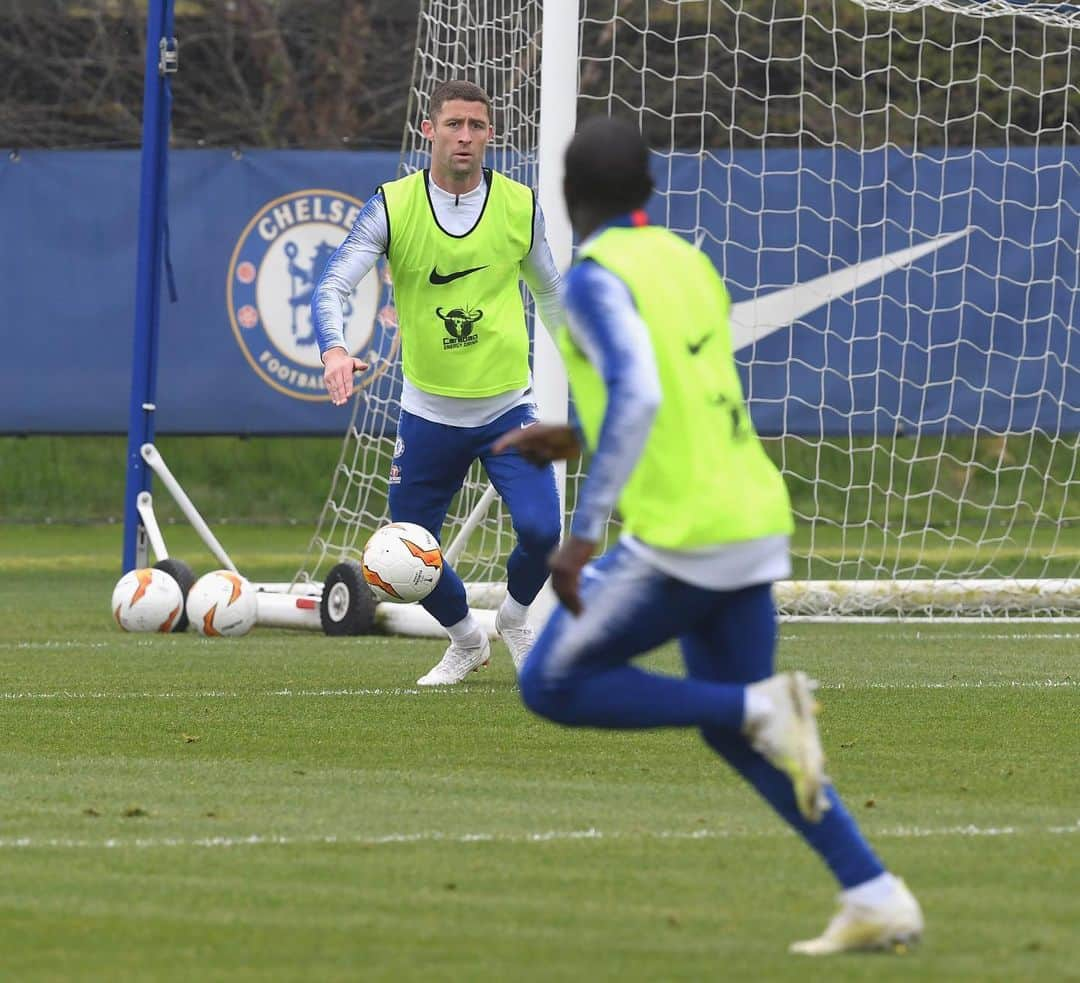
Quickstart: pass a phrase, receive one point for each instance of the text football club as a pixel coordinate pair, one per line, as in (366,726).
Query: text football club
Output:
(272,275)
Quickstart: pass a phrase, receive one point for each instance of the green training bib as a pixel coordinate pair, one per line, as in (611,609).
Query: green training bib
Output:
(703,478)
(460,311)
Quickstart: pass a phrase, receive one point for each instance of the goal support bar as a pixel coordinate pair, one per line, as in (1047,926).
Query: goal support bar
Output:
(832,600)
(152,197)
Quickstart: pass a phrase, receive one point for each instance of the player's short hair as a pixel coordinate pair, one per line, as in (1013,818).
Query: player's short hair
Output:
(607,166)
(457,89)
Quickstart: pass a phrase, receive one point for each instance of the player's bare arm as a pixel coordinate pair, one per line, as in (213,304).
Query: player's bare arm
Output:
(566,564)
(541,443)
(338,370)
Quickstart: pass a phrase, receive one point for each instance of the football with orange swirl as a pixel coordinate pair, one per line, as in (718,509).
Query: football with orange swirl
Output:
(147,599)
(402,563)
(222,603)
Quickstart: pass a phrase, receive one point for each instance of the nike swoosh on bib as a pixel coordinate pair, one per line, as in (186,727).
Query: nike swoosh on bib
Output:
(752,320)
(436,277)
(695,346)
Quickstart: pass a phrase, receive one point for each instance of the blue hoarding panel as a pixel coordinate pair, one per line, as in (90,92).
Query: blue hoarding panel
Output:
(969,320)
(249,232)
(877,292)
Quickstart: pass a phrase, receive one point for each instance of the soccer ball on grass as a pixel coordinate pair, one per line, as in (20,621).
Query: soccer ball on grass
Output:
(402,562)
(222,603)
(147,600)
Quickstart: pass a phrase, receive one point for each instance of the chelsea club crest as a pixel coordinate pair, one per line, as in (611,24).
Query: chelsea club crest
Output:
(272,275)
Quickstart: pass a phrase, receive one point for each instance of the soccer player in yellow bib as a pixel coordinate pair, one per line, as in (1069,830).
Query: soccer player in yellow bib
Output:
(459,238)
(706,523)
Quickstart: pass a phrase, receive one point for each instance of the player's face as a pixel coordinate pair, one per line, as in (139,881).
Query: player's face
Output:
(459,133)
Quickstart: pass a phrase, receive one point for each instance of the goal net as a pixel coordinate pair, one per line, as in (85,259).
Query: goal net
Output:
(495,45)
(891,190)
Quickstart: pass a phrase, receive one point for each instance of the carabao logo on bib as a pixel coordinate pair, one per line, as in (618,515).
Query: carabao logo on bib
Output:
(274,269)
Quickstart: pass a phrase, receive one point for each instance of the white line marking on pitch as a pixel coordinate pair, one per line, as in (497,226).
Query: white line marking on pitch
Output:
(914,634)
(235,695)
(963,684)
(549,836)
(471,690)
(920,635)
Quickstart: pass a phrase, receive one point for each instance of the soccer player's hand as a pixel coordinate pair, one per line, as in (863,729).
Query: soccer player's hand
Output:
(566,564)
(338,369)
(540,443)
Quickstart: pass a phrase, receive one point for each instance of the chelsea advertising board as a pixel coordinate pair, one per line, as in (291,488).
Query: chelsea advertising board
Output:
(272,274)
(873,293)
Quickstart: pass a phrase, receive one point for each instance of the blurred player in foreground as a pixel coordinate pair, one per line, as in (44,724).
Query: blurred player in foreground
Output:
(706,526)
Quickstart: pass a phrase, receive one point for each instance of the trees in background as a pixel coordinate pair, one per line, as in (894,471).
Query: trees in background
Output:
(755,73)
(253,73)
(336,73)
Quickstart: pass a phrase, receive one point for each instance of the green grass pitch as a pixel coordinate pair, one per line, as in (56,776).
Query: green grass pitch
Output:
(287,806)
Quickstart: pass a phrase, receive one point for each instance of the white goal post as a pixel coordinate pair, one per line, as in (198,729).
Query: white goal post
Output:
(891,190)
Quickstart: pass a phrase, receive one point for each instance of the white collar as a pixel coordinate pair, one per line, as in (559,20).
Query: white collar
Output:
(478,192)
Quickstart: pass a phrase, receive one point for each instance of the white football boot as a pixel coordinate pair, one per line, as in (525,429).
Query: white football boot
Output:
(518,640)
(892,925)
(457,662)
(788,737)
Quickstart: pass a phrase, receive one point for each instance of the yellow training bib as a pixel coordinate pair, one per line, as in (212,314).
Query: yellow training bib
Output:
(460,310)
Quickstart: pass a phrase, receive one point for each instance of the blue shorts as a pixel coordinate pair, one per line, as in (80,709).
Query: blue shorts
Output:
(632,608)
(431,461)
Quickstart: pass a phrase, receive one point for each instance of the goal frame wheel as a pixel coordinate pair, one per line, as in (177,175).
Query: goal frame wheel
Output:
(347,606)
(185,577)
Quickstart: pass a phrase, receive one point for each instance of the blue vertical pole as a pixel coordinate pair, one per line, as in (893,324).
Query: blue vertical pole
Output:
(152,198)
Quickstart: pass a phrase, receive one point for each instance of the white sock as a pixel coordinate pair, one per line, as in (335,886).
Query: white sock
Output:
(466,633)
(512,614)
(872,893)
(756,706)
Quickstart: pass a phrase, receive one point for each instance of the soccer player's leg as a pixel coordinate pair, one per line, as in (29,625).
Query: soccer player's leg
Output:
(735,644)
(430,463)
(780,709)
(532,499)
(578,672)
